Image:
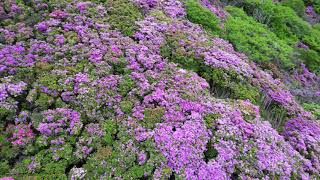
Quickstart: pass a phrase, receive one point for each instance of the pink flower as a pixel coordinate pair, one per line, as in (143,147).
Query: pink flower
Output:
(7,178)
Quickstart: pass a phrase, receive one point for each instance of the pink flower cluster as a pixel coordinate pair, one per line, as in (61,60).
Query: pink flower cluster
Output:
(22,134)
(59,121)
(304,136)
(98,76)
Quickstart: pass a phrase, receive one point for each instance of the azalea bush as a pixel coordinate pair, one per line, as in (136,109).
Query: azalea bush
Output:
(134,90)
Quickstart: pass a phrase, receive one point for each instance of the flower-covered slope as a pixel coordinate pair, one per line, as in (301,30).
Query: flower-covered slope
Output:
(79,99)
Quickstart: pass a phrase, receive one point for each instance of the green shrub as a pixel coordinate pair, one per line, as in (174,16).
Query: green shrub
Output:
(211,152)
(44,101)
(282,20)
(152,116)
(297,5)
(254,39)
(313,108)
(4,167)
(110,128)
(316,26)
(126,106)
(122,14)
(311,59)
(313,39)
(125,85)
(285,23)
(248,36)
(210,120)
(275,114)
(200,15)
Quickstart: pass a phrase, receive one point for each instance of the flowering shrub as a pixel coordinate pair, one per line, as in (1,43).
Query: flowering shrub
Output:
(313,3)
(90,91)
(304,137)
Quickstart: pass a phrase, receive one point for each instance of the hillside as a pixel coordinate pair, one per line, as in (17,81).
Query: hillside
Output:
(159,89)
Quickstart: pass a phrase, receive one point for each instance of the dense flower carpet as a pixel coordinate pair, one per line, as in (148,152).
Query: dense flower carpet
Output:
(159,89)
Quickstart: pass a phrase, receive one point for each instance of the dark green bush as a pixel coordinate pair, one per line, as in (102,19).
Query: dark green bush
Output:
(4,167)
(200,15)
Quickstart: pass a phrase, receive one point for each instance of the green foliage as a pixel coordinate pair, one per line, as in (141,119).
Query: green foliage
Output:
(5,113)
(25,74)
(71,37)
(275,114)
(65,152)
(21,167)
(297,5)
(222,83)
(44,101)
(152,116)
(119,67)
(93,163)
(59,103)
(313,108)
(316,26)
(4,167)
(125,85)
(110,128)
(200,15)
(55,169)
(284,22)
(7,151)
(209,120)
(312,39)
(45,168)
(126,106)
(310,58)
(117,159)
(211,152)
(51,81)
(254,39)
(134,172)
(231,85)
(122,15)
(248,36)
